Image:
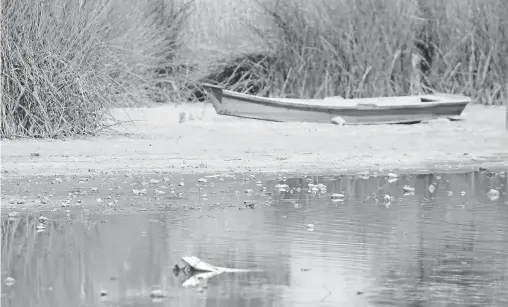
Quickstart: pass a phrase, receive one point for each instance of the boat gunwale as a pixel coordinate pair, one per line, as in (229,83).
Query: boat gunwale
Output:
(316,106)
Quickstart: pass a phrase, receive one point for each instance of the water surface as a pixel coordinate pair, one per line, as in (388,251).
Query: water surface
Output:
(378,245)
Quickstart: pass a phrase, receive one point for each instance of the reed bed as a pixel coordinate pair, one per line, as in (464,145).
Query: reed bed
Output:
(65,63)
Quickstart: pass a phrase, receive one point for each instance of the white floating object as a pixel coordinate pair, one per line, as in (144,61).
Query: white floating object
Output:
(393,175)
(408,188)
(432,188)
(337,197)
(282,187)
(9,281)
(139,192)
(493,194)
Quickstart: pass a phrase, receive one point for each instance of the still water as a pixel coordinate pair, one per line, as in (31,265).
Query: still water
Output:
(374,241)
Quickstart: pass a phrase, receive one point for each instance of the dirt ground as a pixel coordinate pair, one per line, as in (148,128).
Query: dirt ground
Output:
(157,142)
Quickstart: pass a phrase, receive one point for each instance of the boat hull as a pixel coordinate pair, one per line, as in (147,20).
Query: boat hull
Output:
(391,110)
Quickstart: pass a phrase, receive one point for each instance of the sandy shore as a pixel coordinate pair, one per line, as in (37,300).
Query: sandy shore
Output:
(157,142)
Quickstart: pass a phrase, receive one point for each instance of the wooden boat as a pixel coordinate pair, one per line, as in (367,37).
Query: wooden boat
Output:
(361,111)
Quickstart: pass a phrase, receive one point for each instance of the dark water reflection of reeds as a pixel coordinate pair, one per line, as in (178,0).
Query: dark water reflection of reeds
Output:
(424,249)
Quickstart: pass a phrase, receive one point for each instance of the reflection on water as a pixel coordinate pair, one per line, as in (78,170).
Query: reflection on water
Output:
(374,246)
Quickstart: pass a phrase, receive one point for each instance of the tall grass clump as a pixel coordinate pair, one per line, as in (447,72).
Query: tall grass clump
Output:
(65,62)
(367,48)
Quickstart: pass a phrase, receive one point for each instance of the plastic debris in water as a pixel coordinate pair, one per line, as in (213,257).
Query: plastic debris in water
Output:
(157,293)
(337,197)
(322,188)
(432,188)
(181,184)
(450,193)
(310,227)
(393,175)
(282,188)
(408,189)
(40,227)
(9,281)
(95,190)
(493,194)
(139,192)
(13,215)
(159,192)
(313,188)
(463,193)
(202,180)
(337,120)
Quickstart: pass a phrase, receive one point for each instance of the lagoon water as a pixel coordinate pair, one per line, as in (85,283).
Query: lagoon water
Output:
(411,240)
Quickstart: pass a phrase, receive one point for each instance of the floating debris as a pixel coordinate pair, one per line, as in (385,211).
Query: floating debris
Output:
(322,188)
(40,227)
(249,205)
(157,293)
(493,194)
(139,192)
(450,193)
(259,182)
(181,184)
(103,293)
(9,281)
(282,188)
(57,180)
(313,188)
(463,193)
(43,219)
(98,200)
(432,188)
(95,190)
(393,176)
(408,189)
(337,197)
(13,214)
(159,192)
(364,175)
(154,181)
(388,198)
(310,227)
(202,180)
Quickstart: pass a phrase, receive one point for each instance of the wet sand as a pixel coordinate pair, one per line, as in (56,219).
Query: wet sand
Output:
(157,142)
